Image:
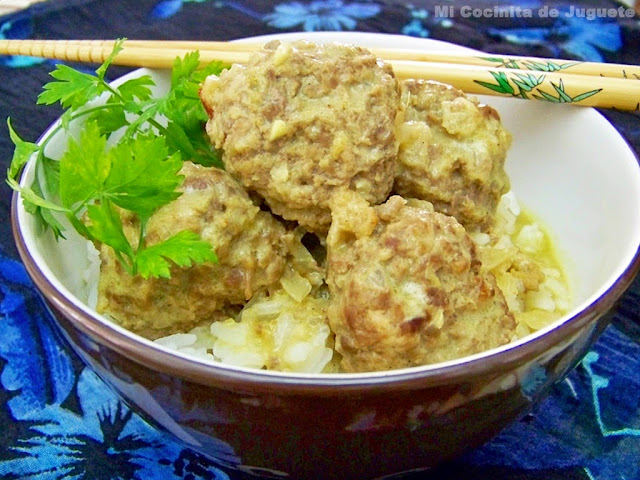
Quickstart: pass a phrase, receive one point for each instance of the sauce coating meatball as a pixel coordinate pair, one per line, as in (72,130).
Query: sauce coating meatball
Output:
(452,152)
(300,121)
(250,244)
(407,288)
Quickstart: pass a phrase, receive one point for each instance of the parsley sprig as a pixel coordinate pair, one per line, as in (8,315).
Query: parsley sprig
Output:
(125,159)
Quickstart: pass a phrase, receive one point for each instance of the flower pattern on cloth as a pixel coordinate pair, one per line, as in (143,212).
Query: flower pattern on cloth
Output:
(60,421)
(578,36)
(66,423)
(321,15)
(313,16)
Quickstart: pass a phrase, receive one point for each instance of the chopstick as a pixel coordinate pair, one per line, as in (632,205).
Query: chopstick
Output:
(559,81)
(233,50)
(613,70)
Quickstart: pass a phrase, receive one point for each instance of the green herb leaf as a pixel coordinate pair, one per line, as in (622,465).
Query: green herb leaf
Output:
(109,119)
(33,197)
(21,154)
(50,169)
(35,204)
(84,167)
(48,220)
(105,226)
(137,174)
(147,112)
(98,185)
(73,89)
(142,176)
(184,67)
(136,88)
(186,113)
(184,249)
(117,48)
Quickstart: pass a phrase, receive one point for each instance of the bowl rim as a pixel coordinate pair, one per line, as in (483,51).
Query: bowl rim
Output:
(163,360)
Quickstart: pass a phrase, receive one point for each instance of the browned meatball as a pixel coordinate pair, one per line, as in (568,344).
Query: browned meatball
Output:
(452,153)
(250,244)
(407,288)
(301,120)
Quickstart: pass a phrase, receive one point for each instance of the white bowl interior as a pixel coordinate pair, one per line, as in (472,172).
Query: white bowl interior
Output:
(568,166)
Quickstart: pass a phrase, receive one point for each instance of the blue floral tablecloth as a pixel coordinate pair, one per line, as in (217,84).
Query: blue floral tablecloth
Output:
(59,421)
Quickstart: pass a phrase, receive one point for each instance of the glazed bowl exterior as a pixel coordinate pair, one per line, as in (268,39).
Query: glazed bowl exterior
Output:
(381,424)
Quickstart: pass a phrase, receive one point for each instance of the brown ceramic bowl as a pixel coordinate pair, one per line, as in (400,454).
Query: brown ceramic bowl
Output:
(568,165)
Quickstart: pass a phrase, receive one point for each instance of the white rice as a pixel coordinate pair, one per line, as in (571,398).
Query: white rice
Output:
(516,244)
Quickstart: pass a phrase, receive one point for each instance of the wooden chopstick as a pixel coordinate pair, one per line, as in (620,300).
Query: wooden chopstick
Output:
(576,83)
(153,55)
(614,70)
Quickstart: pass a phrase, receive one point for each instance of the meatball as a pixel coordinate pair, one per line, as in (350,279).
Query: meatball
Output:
(452,153)
(251,246)
(301,121)
(407,288)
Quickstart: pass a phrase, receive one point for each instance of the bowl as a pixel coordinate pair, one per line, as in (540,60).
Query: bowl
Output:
(568,165)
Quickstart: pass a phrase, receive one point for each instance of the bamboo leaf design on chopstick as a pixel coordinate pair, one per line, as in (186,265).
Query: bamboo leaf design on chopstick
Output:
(527,83)
(501,87)
(546,66)
(562,96)
(519,84)
(502,63)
